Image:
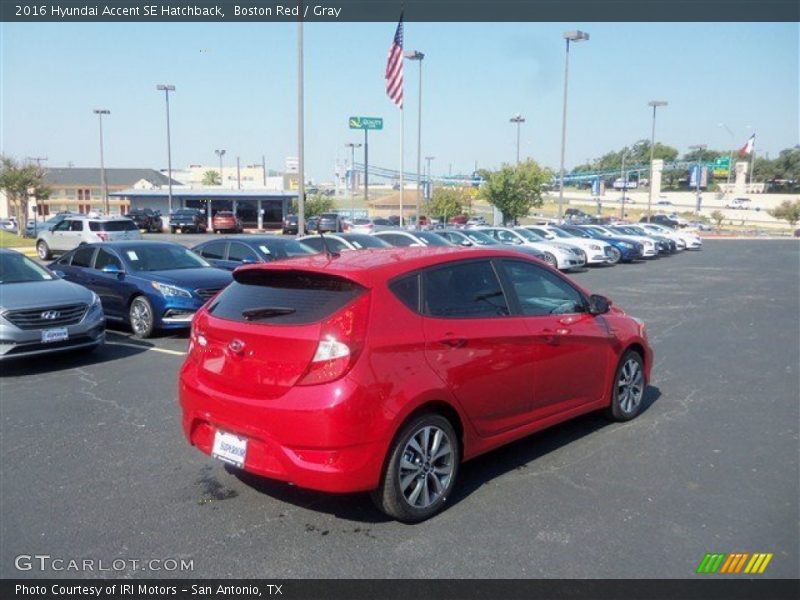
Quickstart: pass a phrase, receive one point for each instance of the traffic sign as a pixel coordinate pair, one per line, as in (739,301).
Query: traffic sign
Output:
(366,123)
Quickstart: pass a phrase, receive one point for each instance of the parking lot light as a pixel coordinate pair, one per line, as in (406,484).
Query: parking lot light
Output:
(100,112)
(167,88)
(569,36)
(655,104)
(518,119)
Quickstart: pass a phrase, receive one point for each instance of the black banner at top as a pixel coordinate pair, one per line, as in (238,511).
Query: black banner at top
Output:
(143,11)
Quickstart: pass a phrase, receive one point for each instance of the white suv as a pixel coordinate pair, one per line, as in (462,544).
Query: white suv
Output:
(77,230)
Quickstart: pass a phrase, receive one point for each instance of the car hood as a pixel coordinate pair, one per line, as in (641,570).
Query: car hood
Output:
(587,243)
(202,277)
(42,293)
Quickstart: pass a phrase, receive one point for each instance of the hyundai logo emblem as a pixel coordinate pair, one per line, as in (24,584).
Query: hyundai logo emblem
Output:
(236,346)
(51,315)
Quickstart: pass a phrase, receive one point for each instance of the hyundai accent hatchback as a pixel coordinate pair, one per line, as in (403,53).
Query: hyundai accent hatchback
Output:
(383,370)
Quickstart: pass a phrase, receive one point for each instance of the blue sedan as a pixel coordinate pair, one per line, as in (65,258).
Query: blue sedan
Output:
(148,285)
(231,252)
(629,249)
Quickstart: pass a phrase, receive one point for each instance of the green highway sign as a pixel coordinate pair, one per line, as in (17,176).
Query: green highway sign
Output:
(366,123)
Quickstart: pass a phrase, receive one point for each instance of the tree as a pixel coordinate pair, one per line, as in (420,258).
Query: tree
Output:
(718,218)
(315,205)
(21,182)
(446,202)
(787,211)
(212,178)
(515,190)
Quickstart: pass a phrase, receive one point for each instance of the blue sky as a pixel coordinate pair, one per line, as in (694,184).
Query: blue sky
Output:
(236,90)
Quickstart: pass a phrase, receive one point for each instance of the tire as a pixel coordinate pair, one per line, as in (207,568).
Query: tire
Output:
(172,230)
(551,260)
(629,377)
(141,317)
(428,482)
(616,256)
(43,250)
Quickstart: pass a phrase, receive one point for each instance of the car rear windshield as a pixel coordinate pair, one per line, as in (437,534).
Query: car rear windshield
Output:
(120,225)
(283,297)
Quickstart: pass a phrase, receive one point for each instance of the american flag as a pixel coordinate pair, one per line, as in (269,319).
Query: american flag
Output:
(394,67)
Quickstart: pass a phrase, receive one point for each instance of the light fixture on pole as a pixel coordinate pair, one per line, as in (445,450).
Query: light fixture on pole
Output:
(352,185)
(167,88)
(569,36)
(103,181)
(699,148)
(518,119)
(417,55)
(655,104)
(220,153)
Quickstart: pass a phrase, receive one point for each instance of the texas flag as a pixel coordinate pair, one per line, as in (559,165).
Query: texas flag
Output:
(748,146)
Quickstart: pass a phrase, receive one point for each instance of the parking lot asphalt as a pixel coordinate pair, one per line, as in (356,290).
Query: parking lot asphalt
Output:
(94,464)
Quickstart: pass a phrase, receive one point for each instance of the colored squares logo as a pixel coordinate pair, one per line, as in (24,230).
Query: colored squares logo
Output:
(733,563)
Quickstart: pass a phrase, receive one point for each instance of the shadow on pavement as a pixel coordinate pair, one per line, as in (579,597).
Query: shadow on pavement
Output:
(473,474)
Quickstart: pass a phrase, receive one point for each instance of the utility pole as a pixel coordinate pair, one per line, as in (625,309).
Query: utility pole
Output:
(238,175)
(699,148)
(264,169)
(301,188)
(416,55)
(624,186)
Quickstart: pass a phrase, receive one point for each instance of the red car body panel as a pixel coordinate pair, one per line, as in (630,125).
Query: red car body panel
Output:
(500,379)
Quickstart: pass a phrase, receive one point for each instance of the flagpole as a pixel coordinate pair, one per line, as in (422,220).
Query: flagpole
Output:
(752,159)
(402,157)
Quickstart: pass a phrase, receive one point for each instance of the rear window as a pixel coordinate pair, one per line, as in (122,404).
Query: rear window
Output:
(121,225)
(283,297)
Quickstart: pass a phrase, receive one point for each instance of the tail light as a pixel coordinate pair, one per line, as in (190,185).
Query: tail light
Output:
(341,341)
(102,235)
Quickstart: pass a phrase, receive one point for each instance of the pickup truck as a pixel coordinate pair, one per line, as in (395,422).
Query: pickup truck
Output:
(188,219)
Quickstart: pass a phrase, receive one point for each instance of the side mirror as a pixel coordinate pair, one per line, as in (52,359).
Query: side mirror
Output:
(60,274)
(466,243)
(112,270)
(248,261)
(598,305)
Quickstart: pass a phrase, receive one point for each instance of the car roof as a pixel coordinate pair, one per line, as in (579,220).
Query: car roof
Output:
(133,244)
(372,265)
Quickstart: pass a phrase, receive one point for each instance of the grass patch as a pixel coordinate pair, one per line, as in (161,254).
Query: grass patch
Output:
(12,240)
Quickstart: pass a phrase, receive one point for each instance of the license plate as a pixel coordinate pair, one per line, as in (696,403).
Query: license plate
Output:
(54,335)
(229,448)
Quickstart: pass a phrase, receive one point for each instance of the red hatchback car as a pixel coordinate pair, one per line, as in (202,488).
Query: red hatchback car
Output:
(382,370)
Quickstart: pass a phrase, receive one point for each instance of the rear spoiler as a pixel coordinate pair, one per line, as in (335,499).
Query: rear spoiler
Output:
(293,278)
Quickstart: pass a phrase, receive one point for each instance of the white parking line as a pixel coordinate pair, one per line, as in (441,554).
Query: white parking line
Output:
(153,348)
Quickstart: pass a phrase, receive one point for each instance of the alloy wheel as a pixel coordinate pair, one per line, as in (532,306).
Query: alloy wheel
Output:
(426,467)
(616,255)
(141,316)
(630,386)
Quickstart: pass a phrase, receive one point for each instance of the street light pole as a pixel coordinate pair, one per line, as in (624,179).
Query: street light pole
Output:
(655,104)
(518,119)
(569,36)
(730,155)
(103,181)
(624,186)
(301,188)
(352,185)
(220,153)
(167,88)
(417,55)
(699,148)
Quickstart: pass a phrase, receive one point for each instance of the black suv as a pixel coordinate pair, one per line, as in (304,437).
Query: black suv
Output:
(290,225)
(188,219)
(146,218)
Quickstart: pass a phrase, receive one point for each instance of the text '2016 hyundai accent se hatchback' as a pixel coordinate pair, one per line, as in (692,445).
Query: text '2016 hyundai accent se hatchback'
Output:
(382,370)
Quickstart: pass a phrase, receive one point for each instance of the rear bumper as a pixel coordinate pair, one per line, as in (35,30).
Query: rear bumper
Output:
(313,437)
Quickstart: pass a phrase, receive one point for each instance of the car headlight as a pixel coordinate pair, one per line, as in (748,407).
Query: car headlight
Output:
(170,291)
(595,247)
(626,244)
(95,301)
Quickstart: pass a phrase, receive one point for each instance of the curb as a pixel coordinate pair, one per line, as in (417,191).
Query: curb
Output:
(26,250)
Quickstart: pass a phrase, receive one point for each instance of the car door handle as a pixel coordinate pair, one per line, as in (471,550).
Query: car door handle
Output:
(454,342)
(552,337)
